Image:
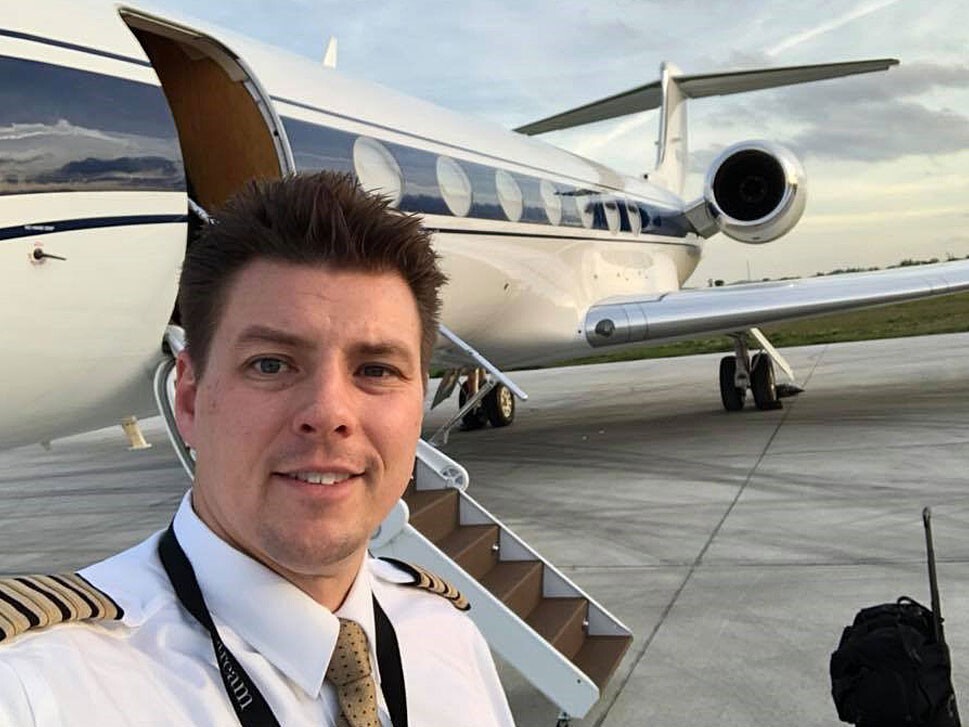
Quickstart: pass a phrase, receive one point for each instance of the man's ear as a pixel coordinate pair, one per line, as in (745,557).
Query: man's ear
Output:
(186,391)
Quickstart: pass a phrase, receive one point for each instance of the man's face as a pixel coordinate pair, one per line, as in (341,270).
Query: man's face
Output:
(307,415)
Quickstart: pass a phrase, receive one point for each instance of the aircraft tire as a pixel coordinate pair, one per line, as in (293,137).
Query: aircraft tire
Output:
(732,396)
(499,405)
(477,418)
(762,382)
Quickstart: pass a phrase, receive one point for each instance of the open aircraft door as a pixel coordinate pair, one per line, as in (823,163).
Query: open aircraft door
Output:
(227,127)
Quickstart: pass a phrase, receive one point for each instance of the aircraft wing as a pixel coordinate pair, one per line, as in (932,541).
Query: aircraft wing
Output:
(707,311)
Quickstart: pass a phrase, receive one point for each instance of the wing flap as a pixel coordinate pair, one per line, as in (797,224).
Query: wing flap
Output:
(708,311)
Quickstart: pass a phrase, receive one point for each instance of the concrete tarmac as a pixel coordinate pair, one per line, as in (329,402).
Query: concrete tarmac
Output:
(735,546)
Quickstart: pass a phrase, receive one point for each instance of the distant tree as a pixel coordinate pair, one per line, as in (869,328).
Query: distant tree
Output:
(910,262)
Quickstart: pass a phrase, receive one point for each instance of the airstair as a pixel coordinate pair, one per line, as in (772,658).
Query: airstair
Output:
(538,621)
(533,616)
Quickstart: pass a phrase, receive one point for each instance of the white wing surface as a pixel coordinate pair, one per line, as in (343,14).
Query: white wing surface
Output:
(707,311)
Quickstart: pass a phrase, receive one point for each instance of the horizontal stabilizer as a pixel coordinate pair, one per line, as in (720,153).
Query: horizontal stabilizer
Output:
(650,96)
(708,311)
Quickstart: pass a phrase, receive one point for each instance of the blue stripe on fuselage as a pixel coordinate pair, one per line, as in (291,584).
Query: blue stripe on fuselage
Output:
(88,223)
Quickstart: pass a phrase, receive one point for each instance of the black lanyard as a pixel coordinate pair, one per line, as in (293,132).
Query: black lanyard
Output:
(249,704)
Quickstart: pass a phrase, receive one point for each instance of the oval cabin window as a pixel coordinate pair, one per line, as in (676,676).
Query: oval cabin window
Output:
(455,186)
(552,201)
(612,213)
(509,195)
(635,222)
(587,210)
(377,169)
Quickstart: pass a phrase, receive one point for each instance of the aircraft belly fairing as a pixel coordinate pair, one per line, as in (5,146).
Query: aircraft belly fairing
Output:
(523,301)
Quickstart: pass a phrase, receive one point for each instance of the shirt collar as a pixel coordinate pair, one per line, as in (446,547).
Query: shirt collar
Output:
(287,627)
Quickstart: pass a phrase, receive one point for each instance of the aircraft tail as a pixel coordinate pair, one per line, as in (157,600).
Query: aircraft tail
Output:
(670,92)
(672,150)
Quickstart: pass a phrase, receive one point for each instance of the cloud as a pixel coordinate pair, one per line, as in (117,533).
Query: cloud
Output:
(889,130)
(904,81)
(879,117)
(870,118)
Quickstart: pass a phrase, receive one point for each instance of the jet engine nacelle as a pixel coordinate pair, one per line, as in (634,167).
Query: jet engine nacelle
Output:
(755,191)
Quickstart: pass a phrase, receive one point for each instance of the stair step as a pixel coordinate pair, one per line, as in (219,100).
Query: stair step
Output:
(517,584)
(473,547)
(559,622)
(600,655)
(433,513)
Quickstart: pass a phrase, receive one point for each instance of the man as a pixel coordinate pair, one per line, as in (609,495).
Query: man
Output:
(310,311)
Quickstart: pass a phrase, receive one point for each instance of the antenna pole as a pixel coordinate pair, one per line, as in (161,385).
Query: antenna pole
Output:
(933,580)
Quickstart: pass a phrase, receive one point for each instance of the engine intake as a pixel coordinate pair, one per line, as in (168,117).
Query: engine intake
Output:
(755,191)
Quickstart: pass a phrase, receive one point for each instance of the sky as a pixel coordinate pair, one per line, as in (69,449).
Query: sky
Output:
(886,155)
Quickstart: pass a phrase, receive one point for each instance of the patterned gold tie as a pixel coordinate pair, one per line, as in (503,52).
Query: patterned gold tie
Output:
(350,673)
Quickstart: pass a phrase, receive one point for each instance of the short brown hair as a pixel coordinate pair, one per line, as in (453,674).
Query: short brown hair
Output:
(322,219)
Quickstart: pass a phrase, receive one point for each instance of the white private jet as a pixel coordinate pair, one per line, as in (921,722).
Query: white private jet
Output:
(115,120)
(122,127)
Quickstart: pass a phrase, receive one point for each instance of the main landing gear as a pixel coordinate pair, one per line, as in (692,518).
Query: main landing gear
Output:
(741,372)
(497,407)
(485,394)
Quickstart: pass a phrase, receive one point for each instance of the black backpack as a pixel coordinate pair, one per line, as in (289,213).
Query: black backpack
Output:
(892,668)
(890,671)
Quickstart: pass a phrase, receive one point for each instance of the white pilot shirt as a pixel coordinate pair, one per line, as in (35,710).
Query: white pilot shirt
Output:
(157,666)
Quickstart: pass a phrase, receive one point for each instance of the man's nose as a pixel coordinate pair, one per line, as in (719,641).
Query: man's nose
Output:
(326,405)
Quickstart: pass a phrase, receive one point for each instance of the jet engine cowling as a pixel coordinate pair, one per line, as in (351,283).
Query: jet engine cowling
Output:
(755,191)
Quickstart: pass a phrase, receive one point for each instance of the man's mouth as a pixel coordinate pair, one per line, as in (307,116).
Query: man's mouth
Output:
(319,478)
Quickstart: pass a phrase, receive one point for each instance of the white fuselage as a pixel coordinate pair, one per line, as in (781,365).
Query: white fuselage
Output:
(91,172)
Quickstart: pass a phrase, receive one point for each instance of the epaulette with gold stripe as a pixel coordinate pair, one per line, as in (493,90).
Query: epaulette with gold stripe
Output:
(33,602)
(427,581)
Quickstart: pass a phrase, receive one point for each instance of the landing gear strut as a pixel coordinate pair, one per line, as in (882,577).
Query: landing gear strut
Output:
(476,417)
(485,395)
(743,371)
(497,406)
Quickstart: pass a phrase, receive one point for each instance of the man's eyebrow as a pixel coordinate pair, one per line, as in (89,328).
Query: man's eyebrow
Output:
(267,334)
(384,348)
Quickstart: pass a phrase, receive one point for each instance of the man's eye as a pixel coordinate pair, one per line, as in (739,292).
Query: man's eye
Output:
(376,371)
(268,366)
